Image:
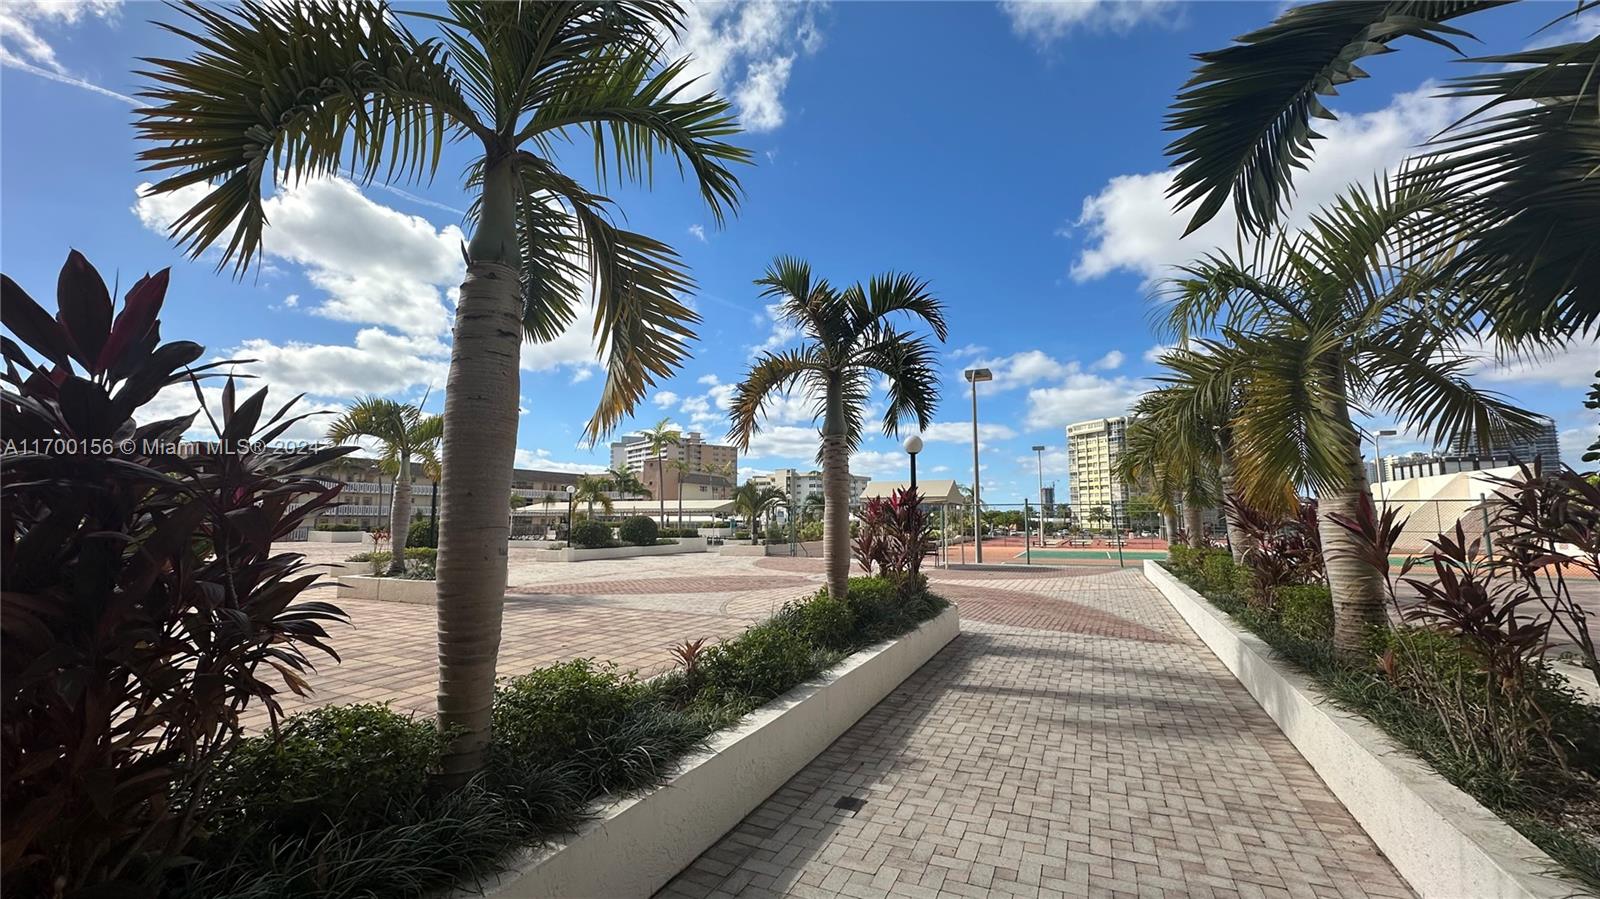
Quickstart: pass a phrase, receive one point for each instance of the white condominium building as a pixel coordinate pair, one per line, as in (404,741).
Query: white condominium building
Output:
(1093,448)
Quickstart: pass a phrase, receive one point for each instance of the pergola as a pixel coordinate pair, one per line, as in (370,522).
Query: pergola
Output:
(937,492)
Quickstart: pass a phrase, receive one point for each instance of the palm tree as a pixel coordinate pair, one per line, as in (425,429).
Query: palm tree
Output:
(1525,165)
(850,335)
(679,467)
(811,509)
(1355,309)
(625,482)
(753,501)
(318,88)
(593,489)
(1172,469)
(403,432)
(657,439)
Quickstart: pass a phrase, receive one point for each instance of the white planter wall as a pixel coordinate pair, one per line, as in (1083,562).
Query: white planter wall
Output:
(574,554)
(388,589)
(1442,841)
(315,536)
(636,845)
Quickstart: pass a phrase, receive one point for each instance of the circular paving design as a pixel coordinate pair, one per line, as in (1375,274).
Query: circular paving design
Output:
(814,566)
(727,583)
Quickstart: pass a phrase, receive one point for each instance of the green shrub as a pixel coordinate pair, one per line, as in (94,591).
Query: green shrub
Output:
(1306,611)
(824,621)
(639,531)
(557,711)
(591,535)
(1218,573)
(765,661)
(422,534)
(809,531)
(336,763)
(421,562)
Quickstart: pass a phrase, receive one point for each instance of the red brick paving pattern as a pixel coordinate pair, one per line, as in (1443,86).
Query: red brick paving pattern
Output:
(1045,614)
(729,583)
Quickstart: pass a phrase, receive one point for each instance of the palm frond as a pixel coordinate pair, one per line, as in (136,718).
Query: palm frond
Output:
(1293,422)
(888,294)
(911,368)
(1247,111)
(304,88)
(770,374)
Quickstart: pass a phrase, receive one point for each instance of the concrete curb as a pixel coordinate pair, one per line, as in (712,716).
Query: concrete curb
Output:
(1442,841)
(636,845)
(573,554)
(387,589)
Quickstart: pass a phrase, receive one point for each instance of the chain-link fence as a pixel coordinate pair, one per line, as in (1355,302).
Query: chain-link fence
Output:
(1126,533)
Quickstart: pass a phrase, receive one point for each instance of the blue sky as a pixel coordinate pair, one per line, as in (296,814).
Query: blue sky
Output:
(1008,153)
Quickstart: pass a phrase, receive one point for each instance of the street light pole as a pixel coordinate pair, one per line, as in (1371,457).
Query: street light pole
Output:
(1039,451)
(974,376)
(913,446)
(1377,458)
(571,490)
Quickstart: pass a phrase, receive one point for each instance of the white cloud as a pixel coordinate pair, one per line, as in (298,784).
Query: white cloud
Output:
(784,442)
(1109,362)
(380,362)
(1571,366)
(178,400)
(1024,368)
(709,380)
(540,459)
(1130,225)
(961,432)
(746,50)
(1574,443)
(881,464)
(783,331)
(970,350)
(699,232)
(1080,396)
(666,399)
(1154,354)
(21,44)
(1048,20)
(376,265)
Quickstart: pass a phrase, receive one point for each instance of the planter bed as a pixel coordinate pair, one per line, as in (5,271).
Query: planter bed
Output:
(634,846)
(1442,841)
(338,537)
(575,554)
(387,589)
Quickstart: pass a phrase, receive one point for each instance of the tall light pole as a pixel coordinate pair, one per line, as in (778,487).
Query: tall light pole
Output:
(974,376)
(1039,451)
(913,446)
(1377,457)
(571,490)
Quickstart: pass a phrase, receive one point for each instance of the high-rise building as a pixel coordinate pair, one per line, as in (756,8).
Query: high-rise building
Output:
(797,485)
(1545,444)
(631,452)
(1047,498)
(1093,448)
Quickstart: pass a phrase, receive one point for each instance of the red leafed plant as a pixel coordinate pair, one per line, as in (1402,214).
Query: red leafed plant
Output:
(893,535)
(1280,551)
(143,607)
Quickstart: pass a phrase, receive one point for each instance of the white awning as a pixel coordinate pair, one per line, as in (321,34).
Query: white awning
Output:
(938,492)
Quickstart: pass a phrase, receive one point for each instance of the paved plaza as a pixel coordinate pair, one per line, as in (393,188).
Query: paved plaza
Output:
(1076,740)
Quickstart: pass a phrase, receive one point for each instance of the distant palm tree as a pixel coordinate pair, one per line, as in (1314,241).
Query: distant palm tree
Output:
(626,483)
(320,88)
(403,432)
(811,508)
(1526,179)
(753,502)
(1355,309)
(657,439)
(591,489)
(679,468)
(850,336)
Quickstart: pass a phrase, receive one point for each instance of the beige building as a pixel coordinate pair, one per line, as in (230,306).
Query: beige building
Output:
(631,453)
(541,496)
(691,484)
(1093,448)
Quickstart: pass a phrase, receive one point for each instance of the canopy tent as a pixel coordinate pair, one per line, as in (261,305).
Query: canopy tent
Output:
(938,492)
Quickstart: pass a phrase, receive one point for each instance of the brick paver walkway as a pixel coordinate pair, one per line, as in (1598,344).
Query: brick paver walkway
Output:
(1030,758)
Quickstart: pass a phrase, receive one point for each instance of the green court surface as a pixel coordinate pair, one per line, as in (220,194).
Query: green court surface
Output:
(1096,554)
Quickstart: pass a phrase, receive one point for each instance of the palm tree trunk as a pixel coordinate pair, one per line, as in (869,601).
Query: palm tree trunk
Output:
(1238,542)
(1192,523)
(1169,520)
(661,481)
(400,519)
(480,443)
(1357,587)
(836,496)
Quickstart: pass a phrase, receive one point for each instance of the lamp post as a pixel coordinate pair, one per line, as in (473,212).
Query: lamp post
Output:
(1377,458)
(1039,451)
(571,489)
(974,376)
(913,446)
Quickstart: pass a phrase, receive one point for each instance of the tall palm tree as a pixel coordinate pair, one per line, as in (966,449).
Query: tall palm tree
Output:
(754,502)
(811,508)
(403,432)
(850,335)
(591,489)
(319,88)
(657,439)
(1525,165)
(679,468)
(1357,309)
(1176,470)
